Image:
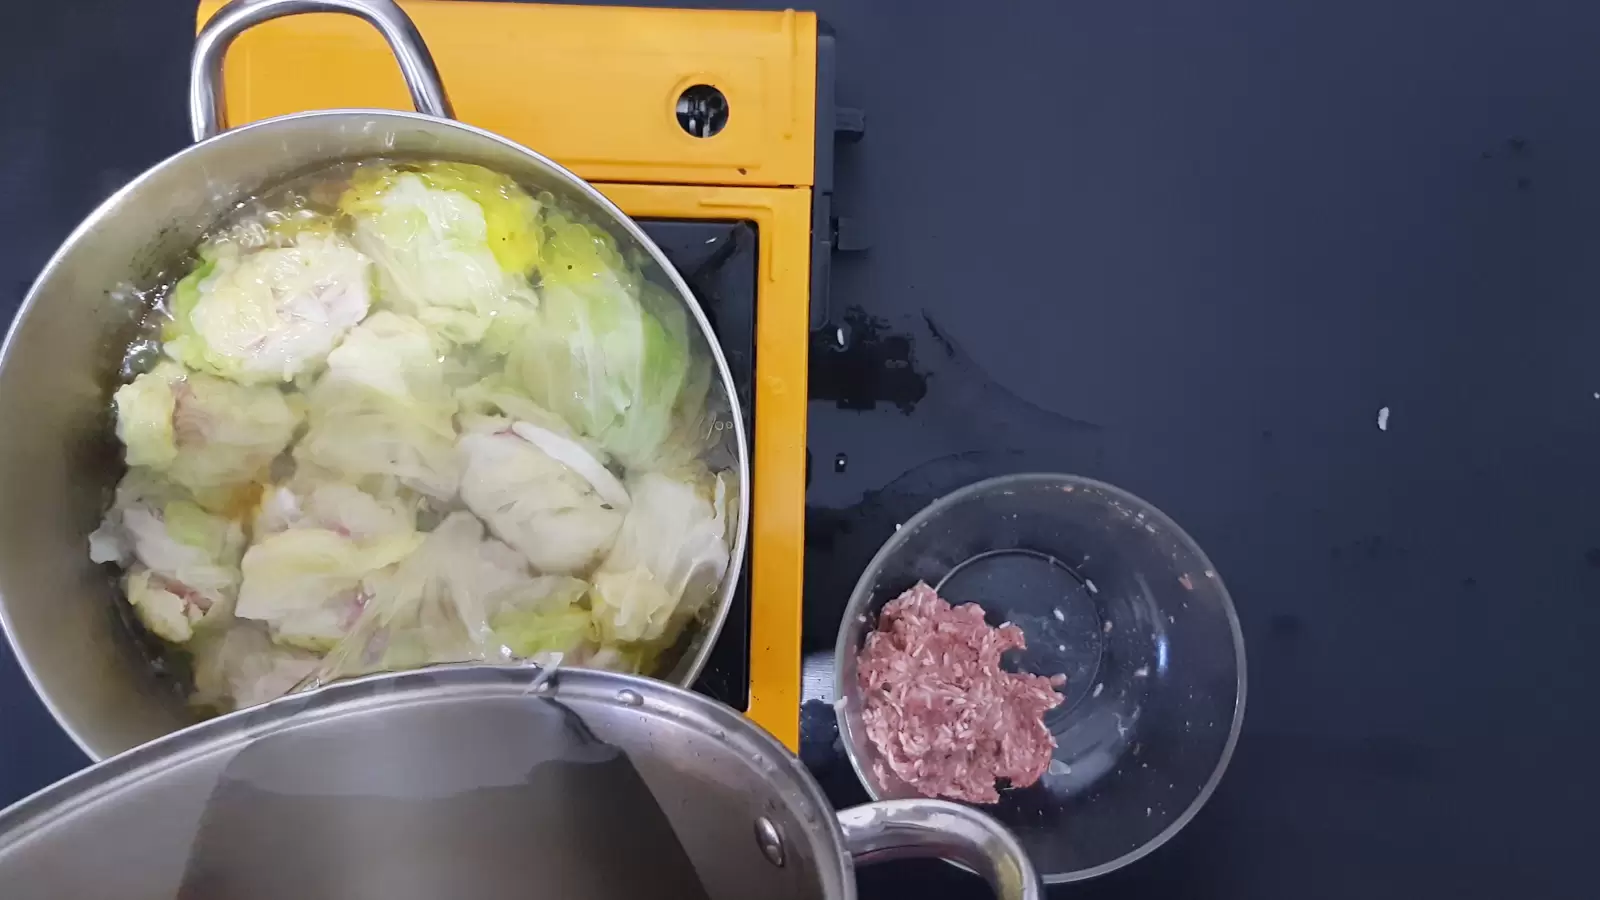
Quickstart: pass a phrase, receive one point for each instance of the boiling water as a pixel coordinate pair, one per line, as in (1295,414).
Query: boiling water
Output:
(229,662)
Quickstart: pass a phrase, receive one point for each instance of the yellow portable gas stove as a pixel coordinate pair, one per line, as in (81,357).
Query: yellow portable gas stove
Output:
(702,125)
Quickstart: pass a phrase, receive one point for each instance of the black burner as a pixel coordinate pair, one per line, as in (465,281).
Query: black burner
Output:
(718,260)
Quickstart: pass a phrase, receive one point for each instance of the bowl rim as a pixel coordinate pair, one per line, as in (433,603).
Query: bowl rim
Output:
(862,591)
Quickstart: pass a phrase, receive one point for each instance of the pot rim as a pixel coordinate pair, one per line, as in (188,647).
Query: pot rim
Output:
(712,627)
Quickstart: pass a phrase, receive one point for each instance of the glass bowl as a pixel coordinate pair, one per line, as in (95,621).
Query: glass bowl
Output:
(1112,594)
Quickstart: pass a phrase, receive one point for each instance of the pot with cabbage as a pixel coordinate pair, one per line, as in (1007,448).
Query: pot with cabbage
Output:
(354,391)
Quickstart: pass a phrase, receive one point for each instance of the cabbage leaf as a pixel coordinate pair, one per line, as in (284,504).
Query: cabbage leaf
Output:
(170,611)
(383,408)
(205,433)
(183,562)
(607,352)
(669,557)
(454,243)
(306,583)
(144,416)
(546,497)
(434,607)
(312,500)
(268,314)
(544,616)
(240,666)
(316,541)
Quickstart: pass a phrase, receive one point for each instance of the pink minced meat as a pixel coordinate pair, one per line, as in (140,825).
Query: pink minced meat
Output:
(943,715)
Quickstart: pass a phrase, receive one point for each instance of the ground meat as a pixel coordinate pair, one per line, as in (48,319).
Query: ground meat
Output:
(943,715)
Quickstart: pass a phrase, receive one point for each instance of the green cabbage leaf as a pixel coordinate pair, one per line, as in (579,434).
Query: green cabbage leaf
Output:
(454,243)
(669,557)
(546,615)
(207,434)
(607,352)
(269,314)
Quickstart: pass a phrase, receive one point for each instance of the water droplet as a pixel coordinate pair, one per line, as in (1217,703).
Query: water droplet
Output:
(840,462)
(630,697)
(770,839)
(841,337)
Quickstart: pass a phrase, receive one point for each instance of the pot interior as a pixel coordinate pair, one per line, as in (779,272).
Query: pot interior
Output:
(438,783)
(59,459)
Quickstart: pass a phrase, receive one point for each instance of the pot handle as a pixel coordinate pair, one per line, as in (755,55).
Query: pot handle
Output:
(900,829)
(207,107)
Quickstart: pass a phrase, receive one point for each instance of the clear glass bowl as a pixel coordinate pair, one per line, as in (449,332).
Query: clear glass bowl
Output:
(1112,594)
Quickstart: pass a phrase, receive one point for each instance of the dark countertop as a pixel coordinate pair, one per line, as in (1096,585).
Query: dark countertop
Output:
(1191,249)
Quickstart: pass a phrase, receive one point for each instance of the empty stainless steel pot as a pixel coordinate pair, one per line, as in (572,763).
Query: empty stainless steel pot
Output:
(750,818)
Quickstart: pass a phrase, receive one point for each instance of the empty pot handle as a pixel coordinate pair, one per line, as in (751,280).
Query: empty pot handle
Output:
(899,829)
(207,106)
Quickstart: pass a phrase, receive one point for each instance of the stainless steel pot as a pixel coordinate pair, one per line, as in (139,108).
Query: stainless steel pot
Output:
(750,819)
(60,361)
